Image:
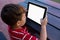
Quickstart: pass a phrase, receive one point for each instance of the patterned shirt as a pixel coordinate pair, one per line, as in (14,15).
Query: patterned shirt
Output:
(21,34)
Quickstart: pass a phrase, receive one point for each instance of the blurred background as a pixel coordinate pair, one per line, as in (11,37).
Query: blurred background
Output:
(53,13)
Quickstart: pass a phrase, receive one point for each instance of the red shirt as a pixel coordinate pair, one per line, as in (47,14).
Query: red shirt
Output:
(21,34)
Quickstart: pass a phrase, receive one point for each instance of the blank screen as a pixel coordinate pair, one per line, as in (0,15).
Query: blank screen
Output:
(35,13)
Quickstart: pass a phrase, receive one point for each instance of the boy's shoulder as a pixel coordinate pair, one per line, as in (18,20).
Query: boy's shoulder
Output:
(23,29)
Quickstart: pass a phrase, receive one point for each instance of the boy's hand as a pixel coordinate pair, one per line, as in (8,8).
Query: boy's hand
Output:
(43,33)
(44,21)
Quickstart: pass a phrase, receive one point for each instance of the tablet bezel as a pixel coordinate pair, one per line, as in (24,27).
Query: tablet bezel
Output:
(38,6)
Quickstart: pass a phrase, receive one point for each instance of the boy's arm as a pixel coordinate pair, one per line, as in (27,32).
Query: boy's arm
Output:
(43,33)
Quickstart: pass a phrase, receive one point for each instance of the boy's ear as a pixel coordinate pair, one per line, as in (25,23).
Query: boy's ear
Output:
(18,23)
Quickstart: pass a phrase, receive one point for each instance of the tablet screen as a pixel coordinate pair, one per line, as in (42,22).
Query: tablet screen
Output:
(35,12)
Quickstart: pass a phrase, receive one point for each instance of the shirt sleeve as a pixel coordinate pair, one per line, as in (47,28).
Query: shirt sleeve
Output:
(22,36)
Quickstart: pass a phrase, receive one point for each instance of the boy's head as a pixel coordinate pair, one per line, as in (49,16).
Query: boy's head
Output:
(13,14)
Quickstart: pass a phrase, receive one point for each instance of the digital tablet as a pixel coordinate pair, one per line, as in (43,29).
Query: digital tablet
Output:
(36,12)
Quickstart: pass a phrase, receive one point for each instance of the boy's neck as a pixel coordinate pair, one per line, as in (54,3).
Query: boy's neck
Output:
(17,27)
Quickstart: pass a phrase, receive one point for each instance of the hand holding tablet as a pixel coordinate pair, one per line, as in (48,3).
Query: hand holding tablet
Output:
(36,12)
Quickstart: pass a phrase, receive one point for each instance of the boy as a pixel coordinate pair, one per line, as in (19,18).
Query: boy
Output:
(15,17)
